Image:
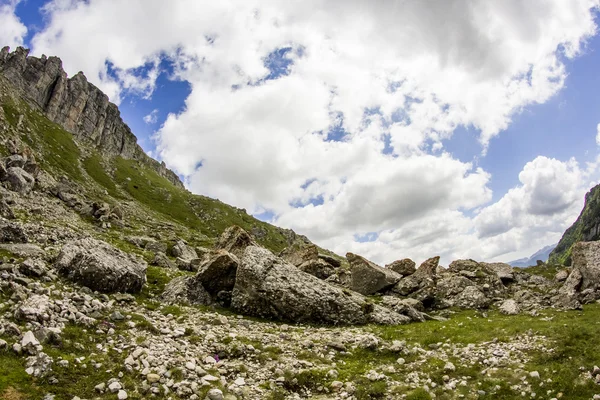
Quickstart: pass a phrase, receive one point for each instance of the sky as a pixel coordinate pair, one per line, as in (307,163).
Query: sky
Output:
(392,129)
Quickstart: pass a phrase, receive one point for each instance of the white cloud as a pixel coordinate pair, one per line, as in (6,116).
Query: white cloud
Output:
(420,71)
(598,134)
(12,30)
(151,118)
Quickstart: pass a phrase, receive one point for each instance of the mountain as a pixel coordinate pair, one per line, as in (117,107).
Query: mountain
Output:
(586,228)
(541,254)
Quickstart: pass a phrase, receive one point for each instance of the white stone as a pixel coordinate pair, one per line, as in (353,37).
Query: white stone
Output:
(122,395)
(215,394)
(115,387)
(239,382)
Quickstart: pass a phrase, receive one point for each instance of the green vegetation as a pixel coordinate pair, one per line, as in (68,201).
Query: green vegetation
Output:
(93,167)
(583,228)
(546,270)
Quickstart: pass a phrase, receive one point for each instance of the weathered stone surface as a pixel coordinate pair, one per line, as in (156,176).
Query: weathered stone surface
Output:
(472,297)
(504,271)
(269,287)
(235,240)
(218,274)
(161,260)
(35,308)
(298,255)
(586,259)
(99,266)
(403,267)
(186,290)
(369,278)
(421,284)
(561,275)
(33,267)
(19,180)
(509,307)
(12,232)
(77,105)
(183,251)
(319,268)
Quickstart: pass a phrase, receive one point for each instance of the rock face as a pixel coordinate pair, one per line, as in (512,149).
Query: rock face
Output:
(585,229)
(101,267)
(586,259)
(369,278)
(75,104)
(269,287)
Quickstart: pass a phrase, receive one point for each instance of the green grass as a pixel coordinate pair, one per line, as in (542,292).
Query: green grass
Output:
(60,153)
(547,271)
(93,167)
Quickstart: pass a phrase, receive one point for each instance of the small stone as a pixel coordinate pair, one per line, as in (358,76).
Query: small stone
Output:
(100,387)
(449,367)
(240,382)
(152,378)
(534,374)
(114,387)
(401,361)
(215,394)
(122,395)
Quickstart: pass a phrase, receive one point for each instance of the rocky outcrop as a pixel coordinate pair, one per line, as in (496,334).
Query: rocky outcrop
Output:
(235,240)
(369,278)
(76,105)
(403,267)
(99,266)
(269,287)
(585,229)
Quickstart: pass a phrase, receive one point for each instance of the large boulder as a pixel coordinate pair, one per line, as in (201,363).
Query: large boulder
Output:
(20,180)
(183,251)
(471,298)
(480,273)
(319,268)
(369,278)
(186,290)
(235,240)
(299,254)
(403,267)
(100,266)
(218,273)
(421,284)
(12,232)
(269,287)
(586,259)
(503,270)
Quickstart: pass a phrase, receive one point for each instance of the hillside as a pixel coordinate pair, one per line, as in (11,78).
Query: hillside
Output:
(118,283)
(585,228)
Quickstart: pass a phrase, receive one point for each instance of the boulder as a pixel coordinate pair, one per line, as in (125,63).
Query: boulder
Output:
(16,161)
(334,262)
(218,273)
(186,290)
(452,285)
(19,180)
(409,307)
(12,232)
(472,298)
(100,266)
(269,287)
(156,246)
(509,307)
(34,268)
(369,278)
(403,267)
(561,275)
(319,268)
(35,308)
(235,240)
(183,251)
(161,260)
(421,284)
(504,271)
(298,255)
(586,259)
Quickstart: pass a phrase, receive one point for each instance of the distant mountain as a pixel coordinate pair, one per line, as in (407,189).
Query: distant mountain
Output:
(542,254)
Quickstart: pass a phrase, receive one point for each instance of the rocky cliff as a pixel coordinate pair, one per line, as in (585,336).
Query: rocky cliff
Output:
(75,104)
(585,229)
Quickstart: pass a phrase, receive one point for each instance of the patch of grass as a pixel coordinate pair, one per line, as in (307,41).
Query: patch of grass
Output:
(142,323)
(418,394)
(174,310)
(14,381)
(304,379)
(547,271)
(93,167)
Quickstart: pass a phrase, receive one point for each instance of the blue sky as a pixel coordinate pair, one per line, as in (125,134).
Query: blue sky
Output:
(297,118)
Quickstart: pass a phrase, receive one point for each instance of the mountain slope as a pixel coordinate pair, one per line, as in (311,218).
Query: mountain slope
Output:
(541,254)
(585,228)
(79,138)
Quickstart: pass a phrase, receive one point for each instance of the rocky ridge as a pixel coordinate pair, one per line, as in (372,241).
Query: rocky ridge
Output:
(76,105)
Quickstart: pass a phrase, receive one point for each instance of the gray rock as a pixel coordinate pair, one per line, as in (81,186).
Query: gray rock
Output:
(472,297)
(318,268)
(186,290)
(35,308)
(219,273)
(235,240)
(214,394)
(12,232)
(100,266)
(403,267)
(504,271)
(161,260)
(183,251)
(267,286)
(16,160)
(586,260)
(35,268)
(509,307)
(19,180)
(299,254)
(561,275)
(369,278)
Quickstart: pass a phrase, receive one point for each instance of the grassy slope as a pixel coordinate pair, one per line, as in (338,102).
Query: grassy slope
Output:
(589,218)
(128,180)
